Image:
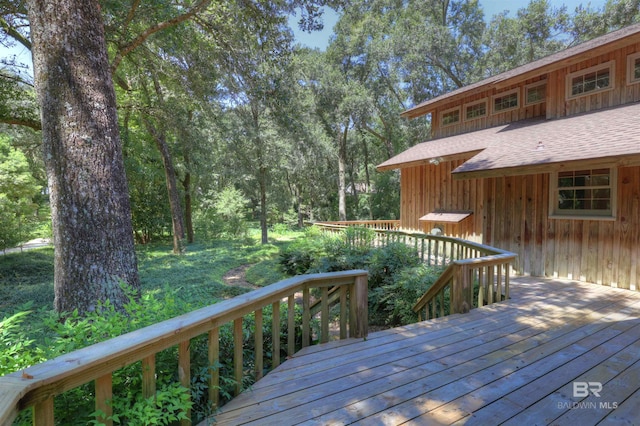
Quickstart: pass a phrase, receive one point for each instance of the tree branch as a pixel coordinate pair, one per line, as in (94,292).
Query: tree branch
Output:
(124,51)
(34,124)
(13,33)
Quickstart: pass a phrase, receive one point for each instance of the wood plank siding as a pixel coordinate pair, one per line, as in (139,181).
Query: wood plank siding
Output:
(511,209)
(431,187)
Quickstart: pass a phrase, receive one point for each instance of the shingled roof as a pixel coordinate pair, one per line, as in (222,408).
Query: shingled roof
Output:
(536,145)
(547,64)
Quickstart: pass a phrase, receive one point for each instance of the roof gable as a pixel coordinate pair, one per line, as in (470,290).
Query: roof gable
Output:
(566,57)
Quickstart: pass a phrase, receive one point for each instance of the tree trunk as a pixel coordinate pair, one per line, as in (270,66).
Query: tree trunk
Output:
(172,187)
(263,205)
(90,209)
(342,167)
(188,207)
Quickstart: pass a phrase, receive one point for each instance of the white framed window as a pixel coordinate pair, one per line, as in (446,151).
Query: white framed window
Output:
(535,93)
(633,68)
(450,116)
(591,80)
(584,193)
(477,109)
(505,101)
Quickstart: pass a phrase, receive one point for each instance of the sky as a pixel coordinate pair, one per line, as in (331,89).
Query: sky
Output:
(320,39)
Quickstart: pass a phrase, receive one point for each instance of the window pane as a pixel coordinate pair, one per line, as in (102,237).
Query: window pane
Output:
(600,180)
(584,192)
(451,117)
(565,181)
(505,102)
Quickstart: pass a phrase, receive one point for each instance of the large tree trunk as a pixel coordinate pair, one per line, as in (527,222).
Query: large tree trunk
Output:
(91,214)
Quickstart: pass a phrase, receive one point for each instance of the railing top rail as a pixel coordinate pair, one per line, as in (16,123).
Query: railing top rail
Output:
(418,234)
(440,283)
(19,390)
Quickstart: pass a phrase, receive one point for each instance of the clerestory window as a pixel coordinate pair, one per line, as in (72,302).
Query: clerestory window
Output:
(591,80)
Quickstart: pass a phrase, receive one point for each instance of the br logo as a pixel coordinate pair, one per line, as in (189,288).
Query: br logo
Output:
(582,389)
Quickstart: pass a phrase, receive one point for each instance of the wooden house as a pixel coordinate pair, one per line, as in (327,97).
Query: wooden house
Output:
(542,160)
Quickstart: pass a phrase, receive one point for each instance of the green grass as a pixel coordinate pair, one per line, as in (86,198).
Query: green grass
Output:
(26,279)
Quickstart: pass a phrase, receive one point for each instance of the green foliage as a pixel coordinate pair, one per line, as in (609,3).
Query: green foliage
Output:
(399,296)
(265,273)
(168,405)
(301,256)
(18,192)
(223,215)
(17,349)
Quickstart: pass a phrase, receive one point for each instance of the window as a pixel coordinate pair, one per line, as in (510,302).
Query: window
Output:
(633,68)
(450,116)
(535,93)
(582,193)
(505,101)
(475,110)
(591,80)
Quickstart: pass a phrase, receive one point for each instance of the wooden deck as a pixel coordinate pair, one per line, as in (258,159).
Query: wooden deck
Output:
(513,363)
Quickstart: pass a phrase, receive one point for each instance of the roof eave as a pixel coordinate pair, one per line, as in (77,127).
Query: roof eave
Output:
(627,160)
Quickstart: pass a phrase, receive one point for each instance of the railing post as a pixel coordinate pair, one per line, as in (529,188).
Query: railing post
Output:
(361,306)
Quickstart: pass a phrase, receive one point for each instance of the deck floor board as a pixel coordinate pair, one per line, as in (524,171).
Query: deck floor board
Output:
(514,363)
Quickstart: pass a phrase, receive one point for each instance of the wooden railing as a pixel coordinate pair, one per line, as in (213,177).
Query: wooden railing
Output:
(467,283)
(372,224)
(37,385)
(475,274)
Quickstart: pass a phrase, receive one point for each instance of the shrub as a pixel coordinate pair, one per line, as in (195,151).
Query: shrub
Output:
(407,287)
(302,255)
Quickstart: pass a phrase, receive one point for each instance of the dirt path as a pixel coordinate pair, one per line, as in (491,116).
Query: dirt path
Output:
(236,277)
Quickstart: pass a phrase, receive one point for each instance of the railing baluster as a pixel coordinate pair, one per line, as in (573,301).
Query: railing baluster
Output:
(506,280)
(275,335)
(149,376)
(499,283)
(43,413)
(237,354)
(306,318)
(104,395)
(258,343)
(291,326)
(490,283)
(481,286)
(184,372)
(214,365)
(324,315)
(343,312)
